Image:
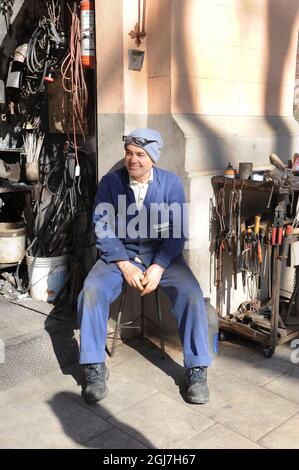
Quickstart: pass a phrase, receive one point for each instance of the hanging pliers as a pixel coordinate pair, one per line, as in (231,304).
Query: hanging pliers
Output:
(277,230)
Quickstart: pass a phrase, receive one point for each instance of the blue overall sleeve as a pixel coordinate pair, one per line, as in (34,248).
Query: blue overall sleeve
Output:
(112,249)
(172,246)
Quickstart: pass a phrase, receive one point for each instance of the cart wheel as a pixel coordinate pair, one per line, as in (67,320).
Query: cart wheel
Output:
(222,336)
(268,352)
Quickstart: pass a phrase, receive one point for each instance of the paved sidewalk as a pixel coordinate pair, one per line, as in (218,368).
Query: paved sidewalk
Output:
(254,404)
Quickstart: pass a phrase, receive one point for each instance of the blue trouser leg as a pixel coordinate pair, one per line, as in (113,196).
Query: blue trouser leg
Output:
(188,306)
(101,287)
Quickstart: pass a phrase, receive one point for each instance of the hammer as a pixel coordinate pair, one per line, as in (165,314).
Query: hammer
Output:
(276,161)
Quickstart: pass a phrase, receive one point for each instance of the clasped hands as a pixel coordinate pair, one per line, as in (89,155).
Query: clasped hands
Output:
(146,281)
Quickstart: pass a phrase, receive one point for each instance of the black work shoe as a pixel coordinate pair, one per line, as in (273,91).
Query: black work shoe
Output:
(95,382)
(196,385)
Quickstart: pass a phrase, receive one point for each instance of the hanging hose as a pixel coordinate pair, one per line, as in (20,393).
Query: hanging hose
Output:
(73,81)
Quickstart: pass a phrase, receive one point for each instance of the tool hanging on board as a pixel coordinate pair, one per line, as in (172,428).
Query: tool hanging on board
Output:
(227,239)
(277,230)
(219,284)
(243,259)
(219,245)
(233,236)
(259,250)
(257,222)
(255,254)
(220,208)
(286,242)
(269,248)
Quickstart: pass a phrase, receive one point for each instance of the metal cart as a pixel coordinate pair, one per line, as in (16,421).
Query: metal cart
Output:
(275,334)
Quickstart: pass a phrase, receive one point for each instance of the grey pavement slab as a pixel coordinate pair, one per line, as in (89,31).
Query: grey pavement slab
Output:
(114,438)
(247,362)
(286,351)
(285,436)
(254,401)
(219,437)
(36,340)
(165,422)
(71,376)
(146,348)
(124,387)
(287,385)
(20,318)
(244,407)
(282,351)
(22,393)
(124,393)
(36,353)
(166,375)
(51,421)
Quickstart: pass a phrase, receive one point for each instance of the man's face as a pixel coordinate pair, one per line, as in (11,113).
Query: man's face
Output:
(137,161)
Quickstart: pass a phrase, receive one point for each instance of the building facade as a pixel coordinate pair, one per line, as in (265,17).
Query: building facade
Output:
(217,81)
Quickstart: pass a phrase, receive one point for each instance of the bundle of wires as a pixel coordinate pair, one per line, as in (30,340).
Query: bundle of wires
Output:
(45,49)
(56,228)
(73,81)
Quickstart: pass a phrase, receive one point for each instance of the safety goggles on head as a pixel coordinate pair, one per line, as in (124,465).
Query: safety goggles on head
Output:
(140,141)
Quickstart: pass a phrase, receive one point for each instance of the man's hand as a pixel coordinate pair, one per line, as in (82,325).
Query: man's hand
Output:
(131,273)
(152,278)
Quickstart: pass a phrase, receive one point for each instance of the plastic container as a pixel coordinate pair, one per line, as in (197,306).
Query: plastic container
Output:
(46,276)
(12,242)
(213,327)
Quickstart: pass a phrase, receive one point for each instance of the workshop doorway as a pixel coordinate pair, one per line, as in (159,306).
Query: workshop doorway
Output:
(48,132)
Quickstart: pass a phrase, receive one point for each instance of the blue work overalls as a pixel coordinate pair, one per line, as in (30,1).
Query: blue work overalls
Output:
(104,282)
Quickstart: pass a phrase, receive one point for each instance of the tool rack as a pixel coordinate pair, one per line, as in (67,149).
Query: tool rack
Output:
(273,338)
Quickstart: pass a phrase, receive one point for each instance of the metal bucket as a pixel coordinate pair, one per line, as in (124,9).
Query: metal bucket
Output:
(46,276)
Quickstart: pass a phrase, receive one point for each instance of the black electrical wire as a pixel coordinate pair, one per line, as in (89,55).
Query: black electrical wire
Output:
(57,223)
(45,50)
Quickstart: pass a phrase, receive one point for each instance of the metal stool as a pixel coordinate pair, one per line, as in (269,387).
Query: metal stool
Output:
(140,317)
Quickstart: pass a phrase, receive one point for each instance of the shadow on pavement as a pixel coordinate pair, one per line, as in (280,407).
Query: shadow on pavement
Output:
(90,430)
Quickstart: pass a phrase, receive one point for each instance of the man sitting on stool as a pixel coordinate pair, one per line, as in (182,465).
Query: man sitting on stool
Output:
(146,255)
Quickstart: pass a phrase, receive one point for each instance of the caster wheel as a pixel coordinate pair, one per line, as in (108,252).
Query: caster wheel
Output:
(222,336)
(268,352)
